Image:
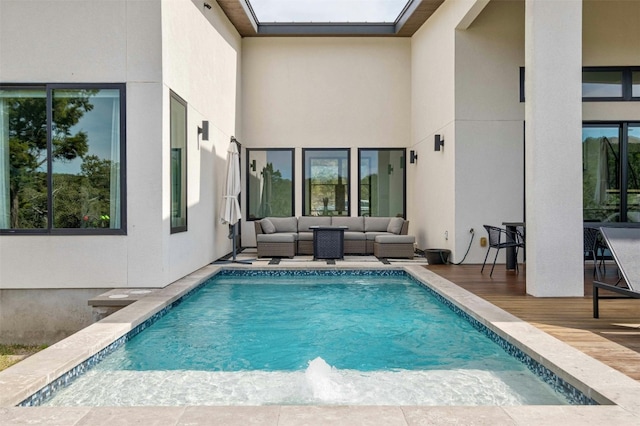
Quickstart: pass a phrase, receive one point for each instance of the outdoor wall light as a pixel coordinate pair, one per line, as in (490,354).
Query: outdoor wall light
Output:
(204,130)
(253,165)
(413,157)
(438,142)
(389,168)
(207,5)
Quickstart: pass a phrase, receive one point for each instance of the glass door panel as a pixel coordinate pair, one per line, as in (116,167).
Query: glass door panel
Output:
(633,173)
(600,173)
(382,182)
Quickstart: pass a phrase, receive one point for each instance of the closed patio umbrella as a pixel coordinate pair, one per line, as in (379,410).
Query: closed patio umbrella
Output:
(230,212)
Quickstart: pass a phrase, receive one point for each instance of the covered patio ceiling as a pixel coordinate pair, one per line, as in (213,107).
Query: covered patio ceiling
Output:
(415,13)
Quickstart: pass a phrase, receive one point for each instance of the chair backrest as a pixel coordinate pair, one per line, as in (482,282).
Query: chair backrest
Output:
(494,233)
(624,245)
(590,239)
(520,239)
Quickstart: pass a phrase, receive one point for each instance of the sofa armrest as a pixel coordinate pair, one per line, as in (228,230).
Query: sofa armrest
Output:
(258,227)
(405,228)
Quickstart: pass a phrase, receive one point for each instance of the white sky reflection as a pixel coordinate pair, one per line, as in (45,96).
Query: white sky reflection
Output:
(286,11)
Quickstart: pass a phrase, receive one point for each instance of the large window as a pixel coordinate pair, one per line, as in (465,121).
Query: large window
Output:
(382,182)
(601,84)
(178,164)
(270,176)
(62,159)
(610,84)
(326,182)
(611,172)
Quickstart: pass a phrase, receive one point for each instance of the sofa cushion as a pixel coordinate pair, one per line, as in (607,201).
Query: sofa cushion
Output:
(370,236)
(285,224)
(279,237)
(376,224)
(305,236)
(354,236)
(267,226)
(355,224)
(395,225)
(304,222)
(395,239)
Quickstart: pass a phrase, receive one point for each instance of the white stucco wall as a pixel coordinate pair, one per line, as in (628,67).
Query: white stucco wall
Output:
(152,46)
(440,76)
(325,92)
(201,64)
(489,164)
(96,42)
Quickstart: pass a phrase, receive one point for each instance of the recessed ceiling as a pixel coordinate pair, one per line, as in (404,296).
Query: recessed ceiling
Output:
(255,18)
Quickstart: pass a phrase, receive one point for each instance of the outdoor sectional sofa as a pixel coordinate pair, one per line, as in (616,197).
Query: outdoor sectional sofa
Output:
(287,236)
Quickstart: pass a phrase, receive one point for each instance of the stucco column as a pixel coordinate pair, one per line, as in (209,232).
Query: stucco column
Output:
(553,114)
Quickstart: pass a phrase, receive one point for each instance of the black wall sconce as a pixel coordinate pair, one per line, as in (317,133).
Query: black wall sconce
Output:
(413,157)
(389,168)
(253,165)
(207,5)
(204,130)
(438,142)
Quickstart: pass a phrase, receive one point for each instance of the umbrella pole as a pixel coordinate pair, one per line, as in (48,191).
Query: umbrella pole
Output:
(233,235)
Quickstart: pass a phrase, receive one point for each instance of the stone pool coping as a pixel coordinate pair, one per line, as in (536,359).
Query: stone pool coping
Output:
(617,392)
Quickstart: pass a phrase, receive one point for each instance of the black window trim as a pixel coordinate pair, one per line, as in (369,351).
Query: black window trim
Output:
(627,83)
(304,175)
(48,88)
(623,135)
(182,228)
(404,176)
(293,177)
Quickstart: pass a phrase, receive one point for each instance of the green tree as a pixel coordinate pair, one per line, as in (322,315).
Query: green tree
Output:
(28,150)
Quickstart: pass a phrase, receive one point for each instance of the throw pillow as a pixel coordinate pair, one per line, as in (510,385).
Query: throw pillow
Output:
(395,225)
(267,226)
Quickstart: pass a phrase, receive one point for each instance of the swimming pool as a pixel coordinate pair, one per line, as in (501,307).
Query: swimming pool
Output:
(388,329)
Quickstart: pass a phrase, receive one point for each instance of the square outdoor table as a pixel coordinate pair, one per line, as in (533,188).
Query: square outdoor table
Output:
(328,242)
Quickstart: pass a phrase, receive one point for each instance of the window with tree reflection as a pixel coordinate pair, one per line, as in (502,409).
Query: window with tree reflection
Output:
(61,158)
(326,182)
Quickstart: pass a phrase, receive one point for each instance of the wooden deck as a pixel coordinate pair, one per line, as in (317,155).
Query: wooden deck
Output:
(613,339)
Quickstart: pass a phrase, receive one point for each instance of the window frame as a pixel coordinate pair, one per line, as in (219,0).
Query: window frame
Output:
(49,89)
(403,166)
(184,184)
(623,173)
(293,178)
(304,177)
(627,83)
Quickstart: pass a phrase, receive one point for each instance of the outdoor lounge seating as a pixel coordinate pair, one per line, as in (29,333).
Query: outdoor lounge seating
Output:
(624,245)
(288,236)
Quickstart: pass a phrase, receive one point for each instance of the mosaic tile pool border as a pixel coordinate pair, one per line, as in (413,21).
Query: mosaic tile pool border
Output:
(573,395)
(567,390)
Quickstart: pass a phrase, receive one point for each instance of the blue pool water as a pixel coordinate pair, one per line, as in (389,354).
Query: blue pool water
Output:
(291,339)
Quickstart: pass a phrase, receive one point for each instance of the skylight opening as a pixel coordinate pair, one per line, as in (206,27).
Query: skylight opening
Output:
(327,11)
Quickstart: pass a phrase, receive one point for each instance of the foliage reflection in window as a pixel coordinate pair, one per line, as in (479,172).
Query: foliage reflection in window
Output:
(66,174)
(326,179)
(382,182)
(611,172)
(270,175)
(178,113)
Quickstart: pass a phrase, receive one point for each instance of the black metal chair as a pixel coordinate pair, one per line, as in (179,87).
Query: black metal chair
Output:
(500,238)
(593,247)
